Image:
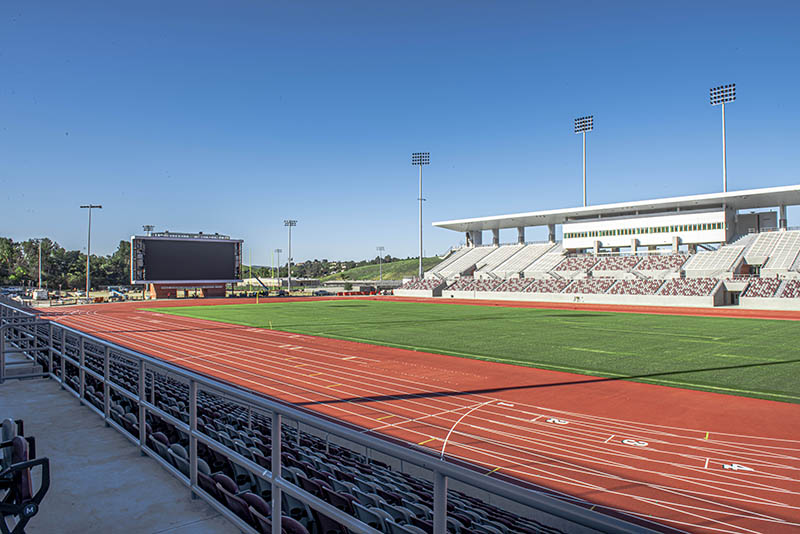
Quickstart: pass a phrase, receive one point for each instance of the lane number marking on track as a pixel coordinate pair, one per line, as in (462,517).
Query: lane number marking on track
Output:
(737,467)
(557,421)
(635,442)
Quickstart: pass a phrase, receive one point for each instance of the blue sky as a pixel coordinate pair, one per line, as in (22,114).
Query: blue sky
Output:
(232,116)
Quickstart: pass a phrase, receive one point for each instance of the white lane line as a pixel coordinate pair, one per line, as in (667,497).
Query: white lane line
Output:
(609,438)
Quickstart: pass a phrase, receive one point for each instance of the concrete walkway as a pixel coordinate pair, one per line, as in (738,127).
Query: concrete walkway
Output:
(99,482)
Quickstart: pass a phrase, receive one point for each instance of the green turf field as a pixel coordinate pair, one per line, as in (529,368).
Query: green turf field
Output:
(748,357)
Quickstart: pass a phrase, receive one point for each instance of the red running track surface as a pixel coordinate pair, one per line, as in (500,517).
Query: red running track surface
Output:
(692,461)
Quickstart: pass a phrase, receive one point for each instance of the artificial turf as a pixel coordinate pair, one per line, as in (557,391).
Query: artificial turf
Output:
(747,357)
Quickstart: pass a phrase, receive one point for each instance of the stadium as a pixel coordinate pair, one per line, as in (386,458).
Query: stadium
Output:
(635,376)
(694,251)
(625,366)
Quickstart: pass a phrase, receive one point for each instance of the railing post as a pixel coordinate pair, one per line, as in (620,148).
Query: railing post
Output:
(192,438)
(106,386)
(2,353)
(276,472)
(50,350)
(81,367)
(142,423)
(63,357)
(439,503)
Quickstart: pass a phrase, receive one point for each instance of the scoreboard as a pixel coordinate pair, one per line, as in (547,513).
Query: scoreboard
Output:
(185,259)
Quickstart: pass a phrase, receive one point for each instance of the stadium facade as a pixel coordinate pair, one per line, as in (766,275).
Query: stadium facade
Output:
(731,248)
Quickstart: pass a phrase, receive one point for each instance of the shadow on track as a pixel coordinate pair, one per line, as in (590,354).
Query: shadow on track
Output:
(588,380)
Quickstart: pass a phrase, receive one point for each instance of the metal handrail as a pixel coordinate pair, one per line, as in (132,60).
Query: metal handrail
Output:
(442,470)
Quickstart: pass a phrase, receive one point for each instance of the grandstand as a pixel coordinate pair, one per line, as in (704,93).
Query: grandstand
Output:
(701,250)
(517,263)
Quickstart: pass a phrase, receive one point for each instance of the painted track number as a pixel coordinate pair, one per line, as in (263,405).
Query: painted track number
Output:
(635,442)
(737,467)
(557,421)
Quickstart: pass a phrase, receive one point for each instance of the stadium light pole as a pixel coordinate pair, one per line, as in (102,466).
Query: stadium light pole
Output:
(419,159)
(289,223)
(583,125)
(278,265)
(380,261)
(148,228)
(90,207)
(720,96)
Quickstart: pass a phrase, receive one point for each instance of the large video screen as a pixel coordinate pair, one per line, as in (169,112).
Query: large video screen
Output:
(173,260)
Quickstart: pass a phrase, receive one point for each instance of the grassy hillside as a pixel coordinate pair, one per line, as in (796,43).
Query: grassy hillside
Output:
(397,270)
(747,357)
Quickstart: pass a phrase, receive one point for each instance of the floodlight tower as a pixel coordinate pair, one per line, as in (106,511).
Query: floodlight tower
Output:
(380,260)
(89,243)
(583,125)
(420,159)
(719,96)
(148,228)
(289,223)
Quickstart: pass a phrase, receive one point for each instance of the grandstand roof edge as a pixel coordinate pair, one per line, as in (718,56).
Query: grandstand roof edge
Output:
(745,199)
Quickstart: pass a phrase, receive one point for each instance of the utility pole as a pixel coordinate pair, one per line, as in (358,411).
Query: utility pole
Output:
(89,244)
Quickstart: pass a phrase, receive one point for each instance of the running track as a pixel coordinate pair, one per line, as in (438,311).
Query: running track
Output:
(690,460)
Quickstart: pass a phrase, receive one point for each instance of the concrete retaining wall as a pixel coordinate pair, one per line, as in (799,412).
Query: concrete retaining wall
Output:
(625,300)
(417,293)
(755,303)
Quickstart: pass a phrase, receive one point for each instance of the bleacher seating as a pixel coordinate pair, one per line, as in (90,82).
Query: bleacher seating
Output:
(19,497)
(425,284)
(616,263)
(465,261)
(665,262)
(514,285)
(454,256)
(636,287)
(522,259)
(577,263)
(461,284)
(704,264)
(485,285)
(784,254)
(474,284)
(590,285)
(545,263)
(689,287)
(549,285)
(498,257)
(791,290)
(762,287)
(391,500)
(761,247)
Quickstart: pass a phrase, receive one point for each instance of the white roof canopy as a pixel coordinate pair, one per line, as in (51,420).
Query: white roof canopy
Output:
(738,200)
